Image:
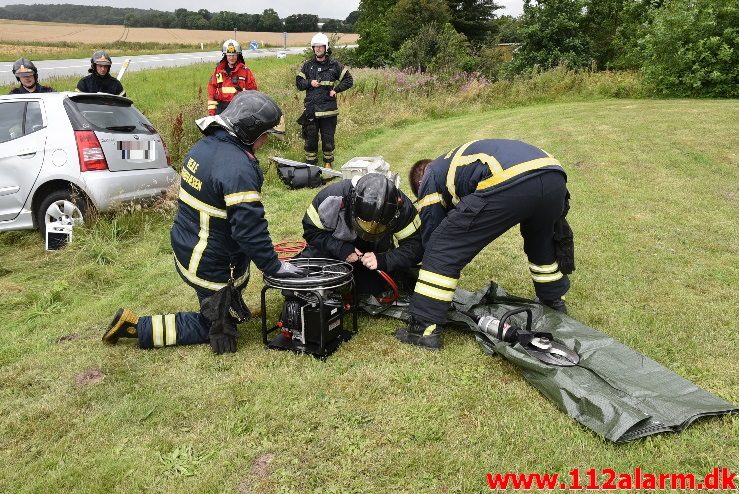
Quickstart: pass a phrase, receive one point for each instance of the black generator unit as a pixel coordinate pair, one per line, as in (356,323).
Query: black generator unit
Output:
(312,318)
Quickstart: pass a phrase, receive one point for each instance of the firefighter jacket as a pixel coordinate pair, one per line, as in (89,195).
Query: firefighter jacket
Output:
(95,83)
(327,227)
(478,167)
(225,83)
(220,220)
(39,89)
(330,74)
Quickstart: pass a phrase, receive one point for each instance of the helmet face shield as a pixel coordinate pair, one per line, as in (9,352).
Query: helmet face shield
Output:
(369,230)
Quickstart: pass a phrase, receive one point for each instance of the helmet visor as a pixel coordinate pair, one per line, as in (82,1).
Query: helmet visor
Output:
(370,230)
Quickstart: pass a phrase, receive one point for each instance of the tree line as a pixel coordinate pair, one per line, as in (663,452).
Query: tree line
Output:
(268,20)
(682,47)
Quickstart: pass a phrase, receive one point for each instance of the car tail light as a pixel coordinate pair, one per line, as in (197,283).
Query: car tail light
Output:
(90,152)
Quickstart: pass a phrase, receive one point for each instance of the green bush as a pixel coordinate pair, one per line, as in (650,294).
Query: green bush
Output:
(692,49)
(441,50)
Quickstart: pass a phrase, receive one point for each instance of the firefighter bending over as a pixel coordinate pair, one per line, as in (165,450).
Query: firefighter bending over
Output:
(468,198)
(322,78)
(358,223)
(230,76)
(219,229)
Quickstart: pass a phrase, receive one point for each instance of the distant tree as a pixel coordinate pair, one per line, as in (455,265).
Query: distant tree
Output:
(351,20)
(437,48)
(300,23)
(692,48)
(373,48)
(407,17)
(334,26)
(205,14)
(473,18)
(552,32)
(271,22)
(508,29)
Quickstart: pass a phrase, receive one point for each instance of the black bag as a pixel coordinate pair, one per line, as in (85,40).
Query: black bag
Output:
(299,176)
(564,241)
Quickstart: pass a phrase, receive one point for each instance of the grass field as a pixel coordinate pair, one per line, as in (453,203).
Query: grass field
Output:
(655,188)
(55,40)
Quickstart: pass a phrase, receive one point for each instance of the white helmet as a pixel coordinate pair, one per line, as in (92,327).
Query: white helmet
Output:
(319,39)
(231,46)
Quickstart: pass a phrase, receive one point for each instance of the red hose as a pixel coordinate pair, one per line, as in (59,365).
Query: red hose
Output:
(289,249)
(390,281)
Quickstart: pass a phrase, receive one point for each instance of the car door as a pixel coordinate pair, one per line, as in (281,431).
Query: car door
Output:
(22,141)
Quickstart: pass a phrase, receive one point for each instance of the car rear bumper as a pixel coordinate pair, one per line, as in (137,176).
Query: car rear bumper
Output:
(108,189)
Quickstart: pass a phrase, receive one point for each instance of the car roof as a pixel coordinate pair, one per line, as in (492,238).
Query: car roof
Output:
(64,94)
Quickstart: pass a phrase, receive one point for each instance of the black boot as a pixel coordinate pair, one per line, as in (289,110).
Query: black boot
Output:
(556,304)
(123,325)
(421,334)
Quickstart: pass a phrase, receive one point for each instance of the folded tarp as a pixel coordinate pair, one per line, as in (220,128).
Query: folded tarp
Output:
(614,390)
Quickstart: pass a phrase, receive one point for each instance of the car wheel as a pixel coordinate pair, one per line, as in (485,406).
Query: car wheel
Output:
(60,209)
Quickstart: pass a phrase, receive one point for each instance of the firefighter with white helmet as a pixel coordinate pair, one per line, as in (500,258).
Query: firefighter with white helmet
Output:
(100,80)
(322,78)
(230,76)
(26,73)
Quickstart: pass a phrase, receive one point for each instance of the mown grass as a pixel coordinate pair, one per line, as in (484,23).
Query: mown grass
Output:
(655,186)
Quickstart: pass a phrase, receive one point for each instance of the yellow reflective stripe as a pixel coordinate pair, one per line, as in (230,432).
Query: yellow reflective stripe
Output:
(219,78)
(343,73)
(170,330)
(212,285)
(436,293)
(157,331)
(546,278)
(409,230)
(239,197)
(548,268)
(430,199)
(517,170)
(228,90)
(437,279)
(300,74)
(314,217)
(327,83)
(327,113)
(461,160)
(197,251)
(429,330)
(191,201)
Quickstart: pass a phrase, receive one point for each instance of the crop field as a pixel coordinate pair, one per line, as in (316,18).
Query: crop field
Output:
(89,33)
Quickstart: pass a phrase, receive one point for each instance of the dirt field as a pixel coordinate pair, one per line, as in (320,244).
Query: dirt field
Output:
(88,33)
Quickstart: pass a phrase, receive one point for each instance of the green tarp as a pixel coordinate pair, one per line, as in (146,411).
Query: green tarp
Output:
(614,390)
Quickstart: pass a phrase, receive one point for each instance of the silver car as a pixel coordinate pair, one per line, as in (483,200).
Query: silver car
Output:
(61,153)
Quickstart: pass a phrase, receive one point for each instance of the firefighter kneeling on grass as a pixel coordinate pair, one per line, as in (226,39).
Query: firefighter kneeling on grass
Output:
(468,198)
(219,229)
(358,223)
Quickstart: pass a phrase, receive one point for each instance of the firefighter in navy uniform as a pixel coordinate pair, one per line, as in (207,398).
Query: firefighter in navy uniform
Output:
(219,228)
(230,76)
(26,73)
(358,223)
(100,80)
(322,78)
(469,197)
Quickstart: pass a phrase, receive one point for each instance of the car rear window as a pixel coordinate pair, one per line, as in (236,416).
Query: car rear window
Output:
(109,115)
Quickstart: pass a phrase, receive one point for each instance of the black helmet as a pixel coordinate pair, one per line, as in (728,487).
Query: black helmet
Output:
(376,203)
(24,67)
(252,113)
(101,57)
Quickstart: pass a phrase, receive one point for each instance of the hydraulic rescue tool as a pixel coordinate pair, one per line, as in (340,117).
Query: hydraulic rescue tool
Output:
(541,346)
(312,319)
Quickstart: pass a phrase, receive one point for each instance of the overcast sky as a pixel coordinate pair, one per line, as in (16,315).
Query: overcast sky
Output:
(322,8)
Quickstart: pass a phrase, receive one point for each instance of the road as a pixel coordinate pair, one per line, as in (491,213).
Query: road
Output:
(78,67)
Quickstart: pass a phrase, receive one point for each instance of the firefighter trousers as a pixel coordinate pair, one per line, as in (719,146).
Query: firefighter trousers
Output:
(181,328)
(535,204)
(326,127)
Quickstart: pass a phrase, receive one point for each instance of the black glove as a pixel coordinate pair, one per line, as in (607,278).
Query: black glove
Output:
(223,343)
(289,270)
